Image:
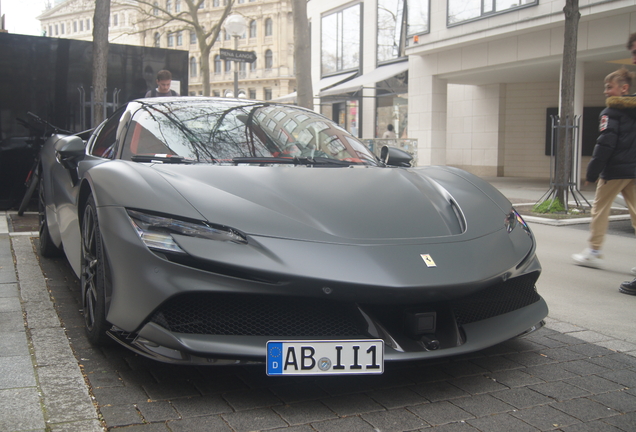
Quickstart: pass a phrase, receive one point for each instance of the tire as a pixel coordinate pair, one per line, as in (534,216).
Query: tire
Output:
(47,248)
(33,183)
(95,276)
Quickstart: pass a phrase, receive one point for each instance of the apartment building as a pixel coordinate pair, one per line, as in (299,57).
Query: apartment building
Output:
(473,81)
(269,34)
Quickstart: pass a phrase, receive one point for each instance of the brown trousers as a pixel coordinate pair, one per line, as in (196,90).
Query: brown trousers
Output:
(606,191)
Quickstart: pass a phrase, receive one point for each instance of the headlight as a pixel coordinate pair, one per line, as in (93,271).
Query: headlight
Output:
(513,219)
(156,231)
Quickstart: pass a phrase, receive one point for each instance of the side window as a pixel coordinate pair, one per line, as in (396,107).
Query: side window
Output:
(104,144)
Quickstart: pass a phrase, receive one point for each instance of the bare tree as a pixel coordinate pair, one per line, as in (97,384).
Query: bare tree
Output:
(100,56)
(154,17)
(565,143)
(302,55)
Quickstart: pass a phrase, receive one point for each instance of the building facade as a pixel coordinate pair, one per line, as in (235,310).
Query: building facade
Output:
(269,34)
(482,76)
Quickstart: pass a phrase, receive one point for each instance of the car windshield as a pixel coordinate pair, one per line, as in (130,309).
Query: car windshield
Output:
(223,131)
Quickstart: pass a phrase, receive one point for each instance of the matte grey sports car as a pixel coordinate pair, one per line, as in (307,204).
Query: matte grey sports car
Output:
(209,230)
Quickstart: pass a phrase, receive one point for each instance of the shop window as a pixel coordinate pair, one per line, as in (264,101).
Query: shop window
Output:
(398,20)
(340,39)
(460,11)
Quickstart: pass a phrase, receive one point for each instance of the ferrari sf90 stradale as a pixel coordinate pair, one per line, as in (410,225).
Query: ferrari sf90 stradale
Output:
(208,231)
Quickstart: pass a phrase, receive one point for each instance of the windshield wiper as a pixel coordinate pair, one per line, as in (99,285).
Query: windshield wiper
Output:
(293,161)
(161,158)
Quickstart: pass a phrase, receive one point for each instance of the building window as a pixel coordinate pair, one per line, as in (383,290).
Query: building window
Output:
(74,26)
(268,93)
(169,5)
(193,37)
(253,29)
(115,20)
(269,59)
(226,35)
(217,64)
(57,30)
(467,10)
(88,25)
(252,93)
(81,25)
(157,40)
(253,65)
(341,40)
(155,9)
(170,39)
(391,19)
(62,28)
(268,27)
(179,38)
(228,65)
(177,5)
(193,66)
(50,30)
(216,93)
(202,5)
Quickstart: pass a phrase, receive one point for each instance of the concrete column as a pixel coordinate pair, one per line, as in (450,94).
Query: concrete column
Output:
(427,110)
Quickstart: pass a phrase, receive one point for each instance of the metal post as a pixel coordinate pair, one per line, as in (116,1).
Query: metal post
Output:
(236,66)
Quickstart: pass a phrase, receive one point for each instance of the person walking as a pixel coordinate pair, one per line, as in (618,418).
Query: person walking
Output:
(613,163)
(630,287)
(164,79)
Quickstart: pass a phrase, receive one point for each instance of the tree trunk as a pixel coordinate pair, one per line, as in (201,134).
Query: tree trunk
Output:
(100,56)
(565,143)
(302,55)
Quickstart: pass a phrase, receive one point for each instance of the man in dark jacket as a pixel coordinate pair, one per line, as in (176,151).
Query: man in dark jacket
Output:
(613,163)
(164,80)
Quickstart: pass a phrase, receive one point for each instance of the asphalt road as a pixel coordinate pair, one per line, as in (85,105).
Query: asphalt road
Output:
(583,296)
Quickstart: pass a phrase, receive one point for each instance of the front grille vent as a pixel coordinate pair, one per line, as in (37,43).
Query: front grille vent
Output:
(497,300)
(248,315)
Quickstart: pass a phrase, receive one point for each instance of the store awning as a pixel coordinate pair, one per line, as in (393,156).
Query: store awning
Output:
(323,84)
(377,75)
(288,98)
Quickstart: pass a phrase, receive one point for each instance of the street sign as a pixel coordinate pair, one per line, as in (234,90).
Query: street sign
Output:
(240,56)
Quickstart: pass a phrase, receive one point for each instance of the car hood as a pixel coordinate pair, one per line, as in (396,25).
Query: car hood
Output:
(349,205)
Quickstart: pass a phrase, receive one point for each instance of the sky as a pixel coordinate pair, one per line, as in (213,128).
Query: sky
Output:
(20,15)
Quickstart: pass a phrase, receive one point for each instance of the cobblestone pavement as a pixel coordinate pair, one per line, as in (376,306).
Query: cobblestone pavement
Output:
(561,378)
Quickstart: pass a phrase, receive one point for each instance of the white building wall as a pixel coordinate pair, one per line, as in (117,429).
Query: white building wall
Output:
(526,107)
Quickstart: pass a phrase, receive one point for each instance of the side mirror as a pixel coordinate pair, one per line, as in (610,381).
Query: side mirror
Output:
(70,150)
(395,157)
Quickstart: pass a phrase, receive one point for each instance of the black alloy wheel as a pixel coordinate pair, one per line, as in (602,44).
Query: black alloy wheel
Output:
(94,276)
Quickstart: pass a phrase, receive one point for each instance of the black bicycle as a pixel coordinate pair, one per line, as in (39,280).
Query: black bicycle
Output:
(40,131)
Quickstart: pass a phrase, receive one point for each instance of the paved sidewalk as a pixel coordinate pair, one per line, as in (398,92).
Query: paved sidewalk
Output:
(41,385)
(567,378)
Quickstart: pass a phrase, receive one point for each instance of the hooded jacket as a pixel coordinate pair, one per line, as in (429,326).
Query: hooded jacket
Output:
(614,155)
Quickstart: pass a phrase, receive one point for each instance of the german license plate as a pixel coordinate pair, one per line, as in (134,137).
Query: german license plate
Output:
(329,357)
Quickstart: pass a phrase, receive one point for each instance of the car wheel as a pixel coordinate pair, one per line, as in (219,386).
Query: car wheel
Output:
(95,275)
(47,248)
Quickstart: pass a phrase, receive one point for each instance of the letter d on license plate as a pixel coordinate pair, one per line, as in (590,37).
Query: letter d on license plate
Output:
(325,357)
